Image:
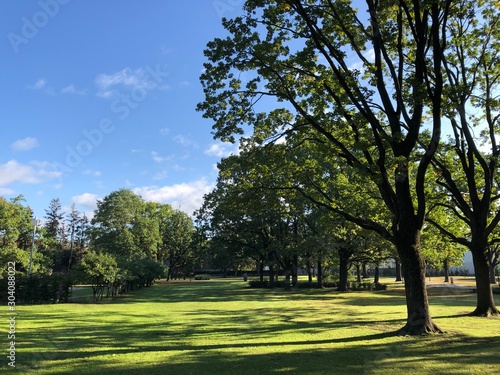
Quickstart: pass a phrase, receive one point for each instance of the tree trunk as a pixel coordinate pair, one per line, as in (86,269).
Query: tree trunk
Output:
(419,321)
(343,271)
(287,279)
(377,275)
(271,276)
(358,273)
(492,274)
(365,272)
(399,274)
(446,271)
(485,302)
(261,271)
(309,271)
(320,274)
(295,270)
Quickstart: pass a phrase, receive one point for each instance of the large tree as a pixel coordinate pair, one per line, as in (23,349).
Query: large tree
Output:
(361,86)
(467,165)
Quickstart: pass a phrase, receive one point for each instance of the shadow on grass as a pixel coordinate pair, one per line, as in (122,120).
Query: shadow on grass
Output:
(236,341)
(371,358)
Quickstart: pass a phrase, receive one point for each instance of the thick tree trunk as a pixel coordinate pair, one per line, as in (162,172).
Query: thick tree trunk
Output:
(419,320)
(485,302)
(446,271)
(261,271)
(377,275)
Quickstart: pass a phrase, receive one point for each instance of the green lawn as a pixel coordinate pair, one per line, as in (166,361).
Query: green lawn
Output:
(224,327)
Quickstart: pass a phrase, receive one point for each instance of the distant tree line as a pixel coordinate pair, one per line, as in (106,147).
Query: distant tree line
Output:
(127,244)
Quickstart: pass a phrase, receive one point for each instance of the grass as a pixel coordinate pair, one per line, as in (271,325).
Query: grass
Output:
(224,327)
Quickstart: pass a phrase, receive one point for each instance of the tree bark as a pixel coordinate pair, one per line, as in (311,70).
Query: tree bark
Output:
(320,274)
(485,302)
(343,271)
(376,276)
(492,274)
(419,321)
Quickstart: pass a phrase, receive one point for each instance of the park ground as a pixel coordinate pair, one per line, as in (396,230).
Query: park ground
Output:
(222,326)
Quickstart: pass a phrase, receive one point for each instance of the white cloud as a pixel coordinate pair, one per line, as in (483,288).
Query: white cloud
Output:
(39,84)
(71,89)
(4,191)
(164,131)
(184,141)
(24,144)
(90,172)
(35,172)
(222,149)
(109,85)
(187,196)
(87,201)
(159,158)
(160,175)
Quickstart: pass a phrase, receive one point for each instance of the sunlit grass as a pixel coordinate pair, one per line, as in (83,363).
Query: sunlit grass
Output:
(224,327)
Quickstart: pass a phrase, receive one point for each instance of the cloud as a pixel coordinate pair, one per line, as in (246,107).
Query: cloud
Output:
(184,141)
(222,149)
(159,158)
(90,172)
(109,85)
(39,84)
(87,201)
(160,175)
(164,131)
(187,196)
(4,191)
(71,89)
(36,172)
(24,144)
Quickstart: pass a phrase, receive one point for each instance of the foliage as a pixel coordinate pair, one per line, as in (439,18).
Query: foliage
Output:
(364,114)
(202,277)
(40,288)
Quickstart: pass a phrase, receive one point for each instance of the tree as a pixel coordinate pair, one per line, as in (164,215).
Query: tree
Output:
(100,270)
(54,218)
(73,220)
(464,170)
(370,113)
(177,236)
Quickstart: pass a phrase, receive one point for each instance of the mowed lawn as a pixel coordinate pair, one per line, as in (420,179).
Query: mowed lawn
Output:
(224,327)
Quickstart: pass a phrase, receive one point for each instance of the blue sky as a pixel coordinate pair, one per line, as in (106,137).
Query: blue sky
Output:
(101,95)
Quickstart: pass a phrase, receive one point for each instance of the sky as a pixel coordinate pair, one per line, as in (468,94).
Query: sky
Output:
(101,95)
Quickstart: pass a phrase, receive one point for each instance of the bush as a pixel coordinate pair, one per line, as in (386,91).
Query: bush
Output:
(39,288)
(202,277)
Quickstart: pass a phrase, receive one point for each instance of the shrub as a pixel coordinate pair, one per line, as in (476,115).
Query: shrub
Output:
(39,288)
(202,277)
